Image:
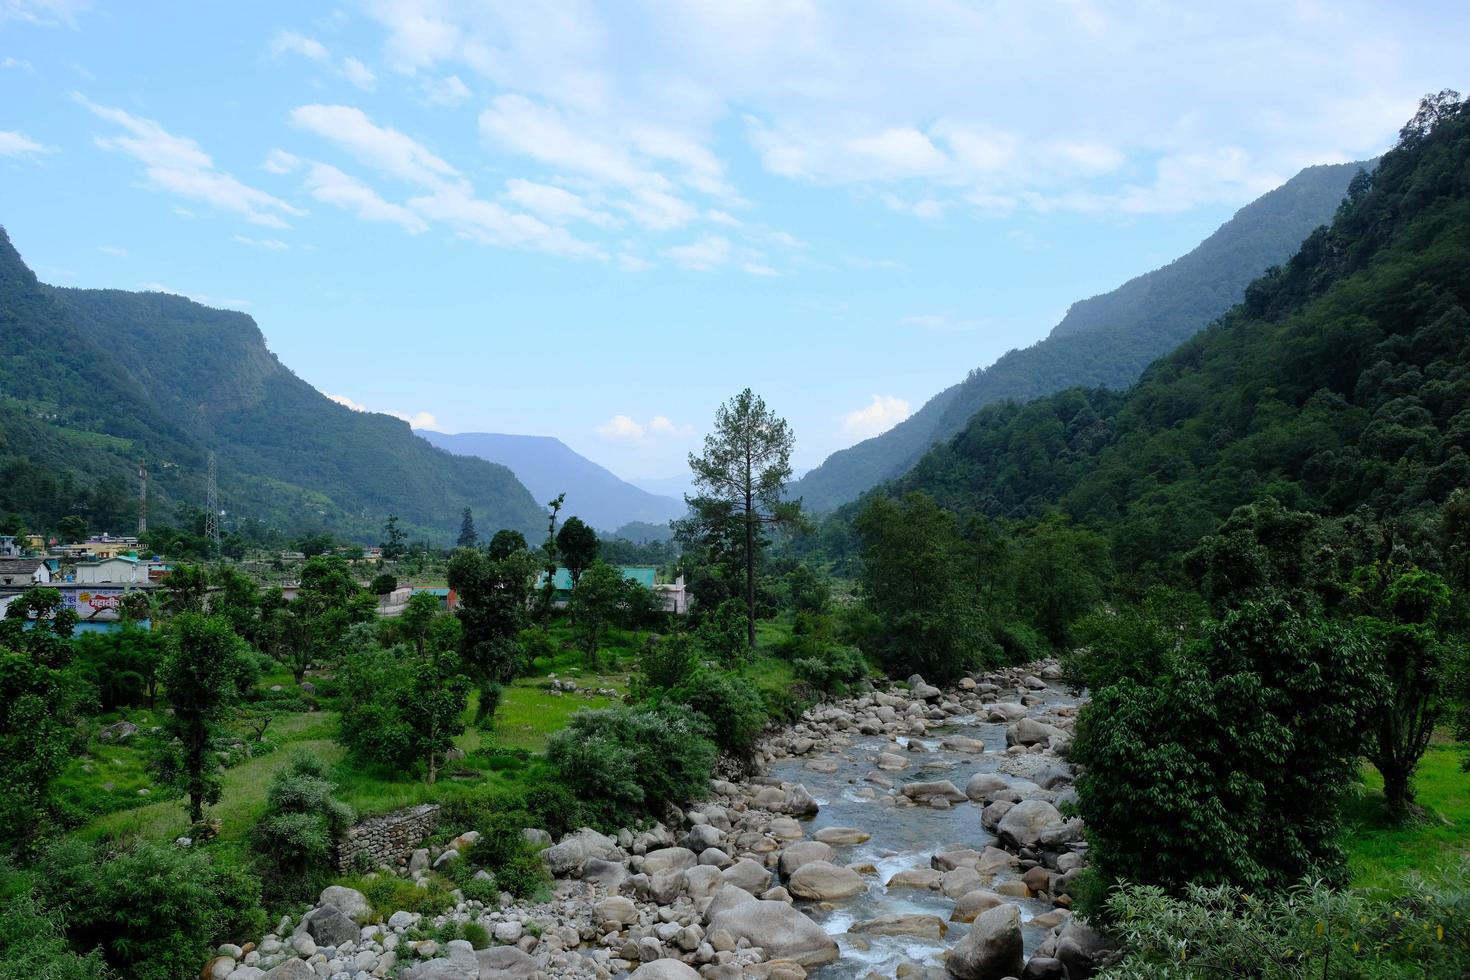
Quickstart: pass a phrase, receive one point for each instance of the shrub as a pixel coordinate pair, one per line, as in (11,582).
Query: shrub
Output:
(485,890)
(475,934)
(33,941)
(724,633)
(832,669)
(503,848)
(630,763)
(663,663)
(490,694)
(554,807)
(302,822)
(154,910)
(731,705)
(389,893)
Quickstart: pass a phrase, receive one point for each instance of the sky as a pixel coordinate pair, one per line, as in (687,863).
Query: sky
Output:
(599,220)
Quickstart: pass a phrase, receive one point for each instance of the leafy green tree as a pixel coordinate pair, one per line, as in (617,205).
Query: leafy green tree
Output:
(395,541)
(597,603)
(38,624)
(506,543)
(741,476)
(383,584)
(1230,766)
(1059,573)
(39,707)
(72,527)
(202,666)
(327,603)
(301,825)
(549,559)
(913,580)
(468,536)
(121,664)
(402,710)
(186,589)
(494,607)
(723,634)
(664,662)
(576,546)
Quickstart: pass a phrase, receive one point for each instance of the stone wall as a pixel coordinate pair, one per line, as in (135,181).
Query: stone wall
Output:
(387,839)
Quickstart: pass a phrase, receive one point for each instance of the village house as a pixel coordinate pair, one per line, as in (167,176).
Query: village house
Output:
(24,572)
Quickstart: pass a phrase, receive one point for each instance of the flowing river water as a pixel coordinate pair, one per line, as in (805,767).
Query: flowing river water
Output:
(903,837)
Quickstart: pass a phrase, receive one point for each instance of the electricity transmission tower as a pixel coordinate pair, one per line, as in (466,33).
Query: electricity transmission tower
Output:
(142,499)
(211,506)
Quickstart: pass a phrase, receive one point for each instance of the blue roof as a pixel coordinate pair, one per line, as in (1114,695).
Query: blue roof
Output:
(562,580)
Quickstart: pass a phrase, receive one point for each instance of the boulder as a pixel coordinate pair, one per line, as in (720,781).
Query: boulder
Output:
(702,836)
(982,784)
(505,963)
(959,743)
(669,859)
(803,852)
(609,874)
(615,911)
(941,789)
(460,964)
(352,902)
(1029,731)
(329,926)
(1044,968)
(971,904)
(960,881)
(726,897)
(841,836)
(782,931)
(799,803)
(903,924)
(926,879)
(292,969)
(1024,823)
(992,949)
(747,874)
(664,970)
(824,881)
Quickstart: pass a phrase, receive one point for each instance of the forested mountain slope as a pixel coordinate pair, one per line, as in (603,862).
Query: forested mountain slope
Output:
(1103,341)
(1342,381)
(94,381)
(547,467)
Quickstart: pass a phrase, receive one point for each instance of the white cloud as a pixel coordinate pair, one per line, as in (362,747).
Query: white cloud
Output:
(491,224)
(416,420)
(112,250)
(45,13)
(269,244)
(757,269)
(288,42)
(381,147)
(19,63)
(939,321)
(178,165)
(707,253)
(13,144)
(555,204)
(629,262)
(878,416)
(358,74)
(625,428)
(281,162)
(331,186)
(448,91)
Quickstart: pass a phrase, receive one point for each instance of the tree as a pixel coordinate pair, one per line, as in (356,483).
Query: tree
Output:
(383,584)
(395,544)
(494,597)
(597,602)
(506,543)
(328,601)
(38,709)
(302,822)
(1058,573)
(403,710)
(742,474)
(202,666)
(186,589)
(468,537)
(1416,655)
(576,546)
(72,527)
(913,579)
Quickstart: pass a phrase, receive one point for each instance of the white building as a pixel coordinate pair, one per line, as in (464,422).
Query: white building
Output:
(24,572)
(117,570)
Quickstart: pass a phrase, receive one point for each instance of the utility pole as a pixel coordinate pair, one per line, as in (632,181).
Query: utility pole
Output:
(211,506)
(142,498)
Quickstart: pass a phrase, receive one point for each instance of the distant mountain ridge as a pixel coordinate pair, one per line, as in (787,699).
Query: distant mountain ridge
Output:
(1103,341)
(547,467)
(94,381)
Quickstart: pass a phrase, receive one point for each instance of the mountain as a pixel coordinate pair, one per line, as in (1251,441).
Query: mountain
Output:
(677,487)
(1340,384)
(93,381)
(547,467)
(1103,341)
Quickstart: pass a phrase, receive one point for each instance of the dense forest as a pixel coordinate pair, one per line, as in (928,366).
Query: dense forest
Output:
(1340,382)
(92,382)
(1105,341)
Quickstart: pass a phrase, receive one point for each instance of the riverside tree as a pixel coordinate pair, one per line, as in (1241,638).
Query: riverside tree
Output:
(741,476)
(203,668)
(576,547)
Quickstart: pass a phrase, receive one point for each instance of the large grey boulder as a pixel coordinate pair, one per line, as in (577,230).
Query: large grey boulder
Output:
(824,881)
(329,926)
(903,924)
(1029,731)
(664,970)
(1024,824)
(669,859)
(803,852)
(982,784)
(701,836)
(750,875)
(564,858)
(460,964)
(971,904)
(504,963)
(992,949)
(782,931)
(292,969)
(726,897)
(353,903)
(943,789)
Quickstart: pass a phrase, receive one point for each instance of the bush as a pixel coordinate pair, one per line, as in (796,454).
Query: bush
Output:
(503,848)
(485,890)
(302,822)
(632,763)
(389,893)
(554,807)
(155,911)
(724,633)
(1307,931)
(663,663)
(732,706)
(33,941)
(832,669)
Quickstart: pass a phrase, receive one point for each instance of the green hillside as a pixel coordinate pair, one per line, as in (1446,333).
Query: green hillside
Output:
(1104,341)
(93,381)
(1341,382)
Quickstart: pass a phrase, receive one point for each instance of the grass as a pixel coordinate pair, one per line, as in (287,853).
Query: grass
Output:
(1382,851)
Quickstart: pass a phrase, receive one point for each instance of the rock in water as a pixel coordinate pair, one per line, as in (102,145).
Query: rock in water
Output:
(664,970)
(992,949)
(782,931)
(1025,822)
(824,881)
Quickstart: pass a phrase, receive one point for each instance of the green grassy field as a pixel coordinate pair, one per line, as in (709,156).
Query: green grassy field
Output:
(1382,851)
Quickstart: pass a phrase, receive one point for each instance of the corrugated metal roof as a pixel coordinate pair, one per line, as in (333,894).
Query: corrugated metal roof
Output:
(644,575)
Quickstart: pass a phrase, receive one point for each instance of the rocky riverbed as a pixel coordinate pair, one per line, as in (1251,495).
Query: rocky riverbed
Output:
(908,832)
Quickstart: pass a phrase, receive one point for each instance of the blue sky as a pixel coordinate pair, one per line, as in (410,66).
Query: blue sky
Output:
(598,220)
